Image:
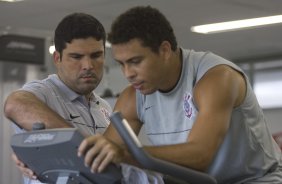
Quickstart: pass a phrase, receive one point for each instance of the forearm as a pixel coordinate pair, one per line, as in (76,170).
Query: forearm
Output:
(182,154)
(128,157)
(112,135)
(24,108)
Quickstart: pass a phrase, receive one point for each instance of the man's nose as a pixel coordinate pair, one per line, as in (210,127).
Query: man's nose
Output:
(87,63)
(129,73)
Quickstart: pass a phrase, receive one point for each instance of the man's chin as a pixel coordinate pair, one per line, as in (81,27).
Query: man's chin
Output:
(146,91)
(86,89)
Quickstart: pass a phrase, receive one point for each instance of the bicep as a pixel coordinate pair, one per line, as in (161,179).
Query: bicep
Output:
(126,105)
(215,96)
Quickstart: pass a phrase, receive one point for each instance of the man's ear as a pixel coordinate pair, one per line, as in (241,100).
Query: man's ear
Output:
(165,50)
(56,57)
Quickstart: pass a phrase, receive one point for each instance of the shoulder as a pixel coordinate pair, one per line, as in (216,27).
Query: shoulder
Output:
(37,85)
(43,89)
(221,82)
(221,71)
(128,92)
(102,102)
(220,76)
(34,83)
(126,102)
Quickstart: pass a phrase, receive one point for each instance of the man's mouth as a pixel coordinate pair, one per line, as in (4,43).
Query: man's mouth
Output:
(137,85)
(88,76)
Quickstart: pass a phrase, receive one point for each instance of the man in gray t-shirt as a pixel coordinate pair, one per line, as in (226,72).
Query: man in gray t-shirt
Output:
(66,99)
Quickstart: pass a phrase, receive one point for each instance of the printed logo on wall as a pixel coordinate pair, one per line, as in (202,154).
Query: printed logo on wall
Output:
(23,49)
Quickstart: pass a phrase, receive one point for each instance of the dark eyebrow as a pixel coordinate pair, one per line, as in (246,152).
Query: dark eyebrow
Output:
(130,59)
(74,54)
(97,52)
(79,54)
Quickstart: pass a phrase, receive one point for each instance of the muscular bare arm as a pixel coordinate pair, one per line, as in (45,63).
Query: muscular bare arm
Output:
(24,108)
(216,94)
(126,105)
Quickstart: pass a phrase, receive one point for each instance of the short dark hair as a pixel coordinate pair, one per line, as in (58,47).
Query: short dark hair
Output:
(76,26)
(145,23)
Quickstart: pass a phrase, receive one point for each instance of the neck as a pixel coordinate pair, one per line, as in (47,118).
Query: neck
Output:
(174,70)
(89,96)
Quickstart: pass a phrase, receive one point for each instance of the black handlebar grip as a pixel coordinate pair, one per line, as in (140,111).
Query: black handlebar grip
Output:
(147,161)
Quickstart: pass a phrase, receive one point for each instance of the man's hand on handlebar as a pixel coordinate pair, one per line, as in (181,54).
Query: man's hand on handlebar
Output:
(23,168)
(99,152)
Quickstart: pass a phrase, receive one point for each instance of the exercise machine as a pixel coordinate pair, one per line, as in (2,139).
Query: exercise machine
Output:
(52,155)
(151,163)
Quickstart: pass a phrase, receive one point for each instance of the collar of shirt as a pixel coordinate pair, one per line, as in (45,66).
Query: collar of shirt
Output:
(69,92)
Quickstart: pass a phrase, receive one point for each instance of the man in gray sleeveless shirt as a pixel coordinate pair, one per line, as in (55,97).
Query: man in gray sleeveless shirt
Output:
(197,108)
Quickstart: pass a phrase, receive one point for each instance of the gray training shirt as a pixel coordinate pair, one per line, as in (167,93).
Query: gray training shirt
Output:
(88,118)
(248,153)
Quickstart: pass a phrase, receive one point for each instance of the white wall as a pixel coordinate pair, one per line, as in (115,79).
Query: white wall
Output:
(8,171)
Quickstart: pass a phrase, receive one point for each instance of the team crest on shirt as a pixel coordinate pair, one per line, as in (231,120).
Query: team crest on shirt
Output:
(187,105)
(106,113)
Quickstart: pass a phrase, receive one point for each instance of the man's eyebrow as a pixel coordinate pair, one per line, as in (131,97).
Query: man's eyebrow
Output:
(130,59)
(98,52)
(74,53)
(80,54)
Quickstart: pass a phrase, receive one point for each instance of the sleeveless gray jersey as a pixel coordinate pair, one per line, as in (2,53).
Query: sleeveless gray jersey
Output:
(74,108)
(248,153)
